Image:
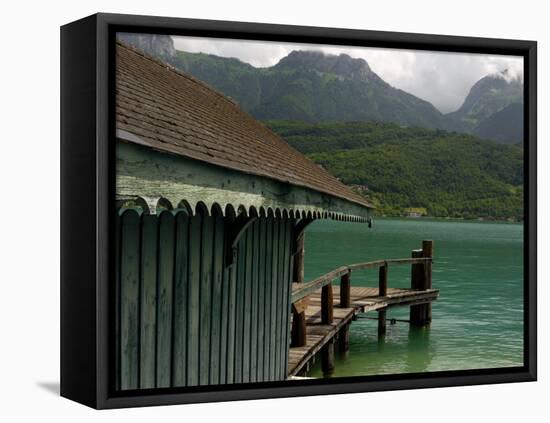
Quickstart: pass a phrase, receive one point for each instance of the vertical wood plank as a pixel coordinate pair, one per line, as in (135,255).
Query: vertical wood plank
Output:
(254,302)
(261,251)
(247,303)
(193,300)
(274,304)
(148,298)
(216,314)
(129,300)
(268,341)
(231,322)
(205,299)
(225,316)
(280,306)
(239,310)
(165,300)
(181,271)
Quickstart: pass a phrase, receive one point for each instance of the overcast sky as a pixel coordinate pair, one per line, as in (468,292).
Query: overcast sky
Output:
(443,79)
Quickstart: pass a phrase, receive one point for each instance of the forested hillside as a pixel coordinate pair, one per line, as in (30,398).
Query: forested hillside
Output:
(448,174)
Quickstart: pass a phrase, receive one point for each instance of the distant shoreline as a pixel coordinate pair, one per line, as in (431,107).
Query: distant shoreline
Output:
(450,219)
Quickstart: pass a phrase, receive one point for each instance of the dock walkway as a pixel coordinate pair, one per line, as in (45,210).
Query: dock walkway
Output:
(322,312)
(363,300)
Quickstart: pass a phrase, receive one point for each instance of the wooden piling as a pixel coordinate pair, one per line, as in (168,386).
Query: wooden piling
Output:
(343,338)
(327,357)
(299,328)
(421,279)
(345,285)
(427,251)
(327,310)
(382,322)
(383,280)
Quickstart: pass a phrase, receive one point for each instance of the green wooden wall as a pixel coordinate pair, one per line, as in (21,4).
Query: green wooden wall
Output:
(184,318)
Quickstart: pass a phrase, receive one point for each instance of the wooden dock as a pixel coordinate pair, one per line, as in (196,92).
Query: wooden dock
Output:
(363,300)
(319,321)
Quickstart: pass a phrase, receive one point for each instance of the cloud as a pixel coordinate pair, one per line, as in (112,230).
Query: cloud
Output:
(443,79)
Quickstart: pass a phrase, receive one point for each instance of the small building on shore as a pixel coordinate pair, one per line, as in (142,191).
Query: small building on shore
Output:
(211,209)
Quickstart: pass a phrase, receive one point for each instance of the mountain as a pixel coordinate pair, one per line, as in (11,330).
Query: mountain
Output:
(314,87)
(481,109)
(156,45)
(504,126)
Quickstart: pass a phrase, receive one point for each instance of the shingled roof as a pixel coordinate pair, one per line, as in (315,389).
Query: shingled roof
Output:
(174,112)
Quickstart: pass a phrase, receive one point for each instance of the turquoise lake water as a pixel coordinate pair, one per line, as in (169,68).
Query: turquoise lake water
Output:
(478,318)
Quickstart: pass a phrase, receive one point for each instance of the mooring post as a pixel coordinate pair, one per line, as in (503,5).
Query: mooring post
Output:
(343,338)
(428,252)
(345,290)
(421,279)
(383,280)
(327,309)
(382,322)
(327,357)
(298,331)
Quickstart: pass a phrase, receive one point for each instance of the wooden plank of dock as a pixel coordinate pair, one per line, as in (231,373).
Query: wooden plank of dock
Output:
(362,300)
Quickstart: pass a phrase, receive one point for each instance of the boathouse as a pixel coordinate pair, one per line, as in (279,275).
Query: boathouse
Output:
(211,209)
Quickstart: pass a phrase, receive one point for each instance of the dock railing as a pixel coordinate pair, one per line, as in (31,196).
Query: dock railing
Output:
(421,279)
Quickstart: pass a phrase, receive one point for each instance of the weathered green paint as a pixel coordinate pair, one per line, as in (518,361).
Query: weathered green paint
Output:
(164,297)
(205,299)
(239,311)
(151,176)
(231,323)
(183,317)
(269,341)
(249,279)
(129,305)
(254,306)
(261,299)
(275,311)
(193,303)
(216,306)
(148,299)
(181,271)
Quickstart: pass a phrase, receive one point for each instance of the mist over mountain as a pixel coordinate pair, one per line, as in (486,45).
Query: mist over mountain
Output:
(488,97)
(314,87)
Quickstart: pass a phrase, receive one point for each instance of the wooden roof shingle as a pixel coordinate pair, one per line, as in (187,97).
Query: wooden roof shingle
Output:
(173,112)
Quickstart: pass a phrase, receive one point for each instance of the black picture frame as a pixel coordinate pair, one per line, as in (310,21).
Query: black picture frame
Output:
(87,196)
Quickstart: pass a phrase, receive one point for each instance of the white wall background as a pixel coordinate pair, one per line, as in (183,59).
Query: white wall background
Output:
(29,224)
